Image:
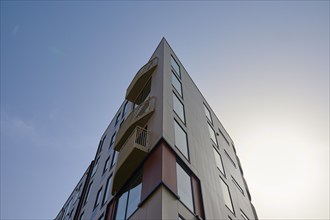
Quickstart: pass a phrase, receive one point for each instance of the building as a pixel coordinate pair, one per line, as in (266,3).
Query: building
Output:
(165,155)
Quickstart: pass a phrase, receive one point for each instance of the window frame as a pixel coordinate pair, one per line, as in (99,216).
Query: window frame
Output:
(180,165)
(107,190)
(186,140)
(173,68)
(180,83)
(223,172)
(237,185)
(207,113)
(98,198)
(183,109)
(224,184)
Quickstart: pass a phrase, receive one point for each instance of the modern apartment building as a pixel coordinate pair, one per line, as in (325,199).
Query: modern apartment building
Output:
(165,155)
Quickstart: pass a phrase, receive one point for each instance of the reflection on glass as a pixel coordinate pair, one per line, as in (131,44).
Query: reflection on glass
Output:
(226,195)
(207,113)
(175,66)
(178,107)
(176,83)
(219,161)
(184,187)
(180,139)
(130,199)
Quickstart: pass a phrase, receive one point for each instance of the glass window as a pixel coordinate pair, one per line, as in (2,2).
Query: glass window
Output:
(237,185)
(180,139)
(95,166)
(82,216)
(124,110)
(88,192)
(98,198)
(230,159)
(226,196)
(112,139)
(219,161)
(212,134)
(130,199)
(117,119)
(101,217)
(244,216)
(114,158)
(175,66)
(178,107)
(184,187)
(106,165)
(177,84)
(223,136)
(107,190)
(207,113)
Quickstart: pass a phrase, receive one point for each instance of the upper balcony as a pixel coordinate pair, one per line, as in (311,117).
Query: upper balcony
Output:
(130,156)
(138,117)
(140,80)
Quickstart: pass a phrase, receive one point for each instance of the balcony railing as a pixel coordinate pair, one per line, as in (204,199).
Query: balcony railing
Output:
(138,117)
(130,156)
(140,80)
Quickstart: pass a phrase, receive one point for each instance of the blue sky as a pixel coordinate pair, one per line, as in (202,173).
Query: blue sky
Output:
(263,66)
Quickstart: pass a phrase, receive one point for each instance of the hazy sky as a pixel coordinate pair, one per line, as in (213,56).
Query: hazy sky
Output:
(263,66)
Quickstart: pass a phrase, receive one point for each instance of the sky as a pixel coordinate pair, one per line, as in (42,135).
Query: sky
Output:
(263,66)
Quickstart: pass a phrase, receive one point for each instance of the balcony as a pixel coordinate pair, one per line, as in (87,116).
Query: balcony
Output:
(138,117)
(130,156)
(140,80)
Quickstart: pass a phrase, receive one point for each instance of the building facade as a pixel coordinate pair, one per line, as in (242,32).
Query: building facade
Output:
(165,155)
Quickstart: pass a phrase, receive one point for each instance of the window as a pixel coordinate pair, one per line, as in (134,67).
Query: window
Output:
(144,93)
(88,191)
(114,158)
(176,84)
(180,137)
(106,165)
(178,107)
(219,161)
(226,196)
(237,185)
(95,166)
(184,187)
(124,110)
(130,199)
(101,217)
(244,216)
(223,136)
(212,134)
(207,113)
(107,191)
(81,216)
(231,160)
(98,198)
(175,66)
(180,218)
(117,119)
(112,141)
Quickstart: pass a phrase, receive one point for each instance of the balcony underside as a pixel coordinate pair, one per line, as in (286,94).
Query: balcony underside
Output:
(140,80)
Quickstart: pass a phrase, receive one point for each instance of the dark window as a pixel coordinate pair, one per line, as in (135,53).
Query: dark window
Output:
(184,187)
(112,141)
(176,84)
(144,93)
(114,158)
(180,139)
(175,66)
(106,165)
(219,161)
(124,110)
(237,185)
(178,108)
(130,199)
(82,216)
(226,195)
(107,191)
(98,198)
